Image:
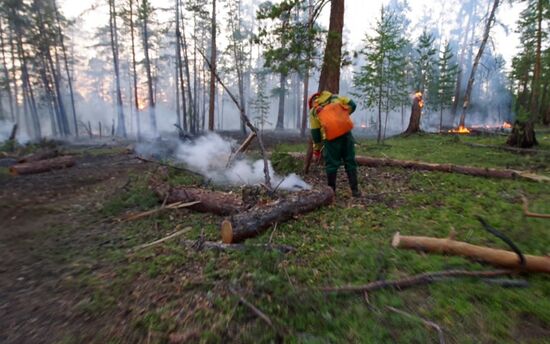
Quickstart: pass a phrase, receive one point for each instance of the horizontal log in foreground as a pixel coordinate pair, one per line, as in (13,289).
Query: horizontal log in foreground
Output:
(42,165)
(449,168)
(256,220)
(492,256)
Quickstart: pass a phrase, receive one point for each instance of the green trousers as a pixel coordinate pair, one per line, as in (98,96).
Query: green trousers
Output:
(341,149)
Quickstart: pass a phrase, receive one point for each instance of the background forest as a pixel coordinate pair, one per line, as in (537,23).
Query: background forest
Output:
(136,68)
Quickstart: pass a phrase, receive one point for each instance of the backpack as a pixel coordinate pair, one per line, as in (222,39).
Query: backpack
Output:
(335,120)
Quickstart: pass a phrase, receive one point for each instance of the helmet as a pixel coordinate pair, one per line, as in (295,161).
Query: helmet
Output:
(312,99)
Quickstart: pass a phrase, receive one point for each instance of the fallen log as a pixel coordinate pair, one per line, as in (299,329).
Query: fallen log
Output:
(509,149)
(220,246)
(492,256)
(42,165)
(215,202)
(39,155)
(256,220)
(450,168)
(527,213)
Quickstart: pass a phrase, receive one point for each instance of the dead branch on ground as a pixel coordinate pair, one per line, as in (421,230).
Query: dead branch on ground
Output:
(509,149)
(156,242)
(420,279)
(176,205)
(424,321)
(527,213)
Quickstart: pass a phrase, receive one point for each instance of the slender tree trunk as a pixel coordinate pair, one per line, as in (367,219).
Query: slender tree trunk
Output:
(6,72)
(180,66)
(69,79)
(458,88)
(212,71)
(152,115)
(379,137)
(183,41)
(535,88)
(15,85)
(305,104)
(121,126)
(136,96)
(282,94)
(468,92)
(330,72)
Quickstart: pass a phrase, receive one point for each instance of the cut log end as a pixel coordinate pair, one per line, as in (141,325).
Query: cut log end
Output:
(13,171)
(227,232)
(395,240)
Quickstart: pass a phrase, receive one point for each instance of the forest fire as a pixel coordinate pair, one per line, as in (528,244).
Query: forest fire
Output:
(418,96)
(460,130)
(506,125)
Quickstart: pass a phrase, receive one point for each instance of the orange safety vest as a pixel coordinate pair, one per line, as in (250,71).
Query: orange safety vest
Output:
(335,120)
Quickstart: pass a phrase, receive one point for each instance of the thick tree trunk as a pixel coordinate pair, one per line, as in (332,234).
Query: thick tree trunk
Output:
(522,135)
(256,220)
(493,256)
(330,72)
(468,92)
(414,122)
(42,165)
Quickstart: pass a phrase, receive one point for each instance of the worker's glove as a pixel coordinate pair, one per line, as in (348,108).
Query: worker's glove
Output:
(316,155)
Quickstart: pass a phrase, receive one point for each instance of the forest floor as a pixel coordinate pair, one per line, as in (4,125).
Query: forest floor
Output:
(68,273)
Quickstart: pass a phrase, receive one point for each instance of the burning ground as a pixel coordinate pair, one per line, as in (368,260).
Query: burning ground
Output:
(68,274)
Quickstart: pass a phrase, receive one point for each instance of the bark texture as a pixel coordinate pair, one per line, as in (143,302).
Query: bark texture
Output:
(42,165)
(256,220)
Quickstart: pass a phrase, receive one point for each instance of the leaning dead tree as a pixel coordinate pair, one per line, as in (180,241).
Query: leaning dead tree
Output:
(488,25)
(245,119)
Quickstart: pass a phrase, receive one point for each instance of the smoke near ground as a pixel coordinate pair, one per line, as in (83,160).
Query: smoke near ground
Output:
(209,156)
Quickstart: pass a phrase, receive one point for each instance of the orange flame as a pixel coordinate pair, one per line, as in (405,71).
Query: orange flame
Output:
(418,96)
(507,125)
(460,130)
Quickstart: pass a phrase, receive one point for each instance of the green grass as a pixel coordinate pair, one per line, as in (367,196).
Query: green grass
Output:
(175,289)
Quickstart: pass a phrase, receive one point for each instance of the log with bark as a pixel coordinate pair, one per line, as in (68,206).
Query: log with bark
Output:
(492,256)
(450,168)
(42,165)
(256,220)
(510,149)
(39,155)
(215,202)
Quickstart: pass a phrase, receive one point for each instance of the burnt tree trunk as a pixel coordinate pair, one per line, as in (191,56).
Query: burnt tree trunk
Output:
(256,220)
(414,122)
(523,135)
(212,98)
(42,165)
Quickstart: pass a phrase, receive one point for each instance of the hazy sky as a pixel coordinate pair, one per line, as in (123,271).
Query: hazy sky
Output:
(359,18)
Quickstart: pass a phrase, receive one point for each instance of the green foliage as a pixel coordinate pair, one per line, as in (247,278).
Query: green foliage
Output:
(261,102)
(381,80)
(445,80)
(426,63)
(284,164)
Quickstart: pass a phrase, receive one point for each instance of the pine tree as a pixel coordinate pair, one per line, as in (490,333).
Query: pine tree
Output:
(425,62)
(381,80)
(447,73)
(261,103)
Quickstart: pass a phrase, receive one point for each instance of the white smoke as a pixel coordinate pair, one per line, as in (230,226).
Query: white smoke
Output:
(209,156)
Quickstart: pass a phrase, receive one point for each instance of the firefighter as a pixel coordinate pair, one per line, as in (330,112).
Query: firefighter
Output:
(331,126)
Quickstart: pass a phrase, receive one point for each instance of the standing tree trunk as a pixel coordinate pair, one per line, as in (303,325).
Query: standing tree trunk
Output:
(121,126)
(281,114)
(467,95)
(330,72)
(69,79)
(145,12)
(136,96)
(211,106)
(183,42)
(6,72)
(416,112)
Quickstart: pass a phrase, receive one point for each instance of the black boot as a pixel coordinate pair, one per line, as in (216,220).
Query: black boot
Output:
(352,178)
(331,177)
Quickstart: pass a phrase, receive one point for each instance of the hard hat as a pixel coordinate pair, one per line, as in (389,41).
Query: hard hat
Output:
(312,98)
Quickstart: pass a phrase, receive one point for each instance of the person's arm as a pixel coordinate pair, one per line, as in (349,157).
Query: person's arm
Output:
(316,135)
(348,104)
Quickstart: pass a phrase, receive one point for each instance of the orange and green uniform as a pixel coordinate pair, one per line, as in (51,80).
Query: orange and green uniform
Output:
(339,147)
